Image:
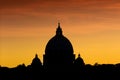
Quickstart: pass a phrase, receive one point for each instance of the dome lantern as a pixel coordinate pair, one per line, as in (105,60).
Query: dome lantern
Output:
(59,30)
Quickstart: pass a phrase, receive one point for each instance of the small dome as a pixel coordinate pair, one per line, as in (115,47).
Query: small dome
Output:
(36,61)
(79,61)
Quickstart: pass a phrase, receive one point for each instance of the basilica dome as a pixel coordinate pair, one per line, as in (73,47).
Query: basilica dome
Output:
(58,52)
(59,44)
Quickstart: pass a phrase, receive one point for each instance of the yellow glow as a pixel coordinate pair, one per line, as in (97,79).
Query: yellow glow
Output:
(92,26)
(93,47)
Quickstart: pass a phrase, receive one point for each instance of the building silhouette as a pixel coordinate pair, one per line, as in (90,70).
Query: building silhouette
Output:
(58,53)
(58,60)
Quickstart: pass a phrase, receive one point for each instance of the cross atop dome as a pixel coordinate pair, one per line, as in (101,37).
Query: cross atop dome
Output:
(59,30)
(58,24)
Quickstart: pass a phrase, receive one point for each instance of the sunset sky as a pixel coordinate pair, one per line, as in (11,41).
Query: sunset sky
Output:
(92,26)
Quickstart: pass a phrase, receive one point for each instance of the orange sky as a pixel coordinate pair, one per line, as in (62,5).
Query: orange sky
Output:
(92,26)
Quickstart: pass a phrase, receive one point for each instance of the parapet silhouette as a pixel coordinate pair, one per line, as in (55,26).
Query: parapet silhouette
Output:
(59,61)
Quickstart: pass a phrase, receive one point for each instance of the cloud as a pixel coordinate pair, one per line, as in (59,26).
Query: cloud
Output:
(20,3)
(54,6)
(86,10)
(64,3)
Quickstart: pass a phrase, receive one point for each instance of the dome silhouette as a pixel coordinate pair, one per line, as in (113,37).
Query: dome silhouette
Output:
(59,45)
(36,61)
(59,50)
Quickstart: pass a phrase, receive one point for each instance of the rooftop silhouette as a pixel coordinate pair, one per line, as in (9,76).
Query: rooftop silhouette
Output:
(59,57)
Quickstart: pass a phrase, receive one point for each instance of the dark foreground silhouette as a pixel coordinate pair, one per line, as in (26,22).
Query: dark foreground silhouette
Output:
(36,71)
